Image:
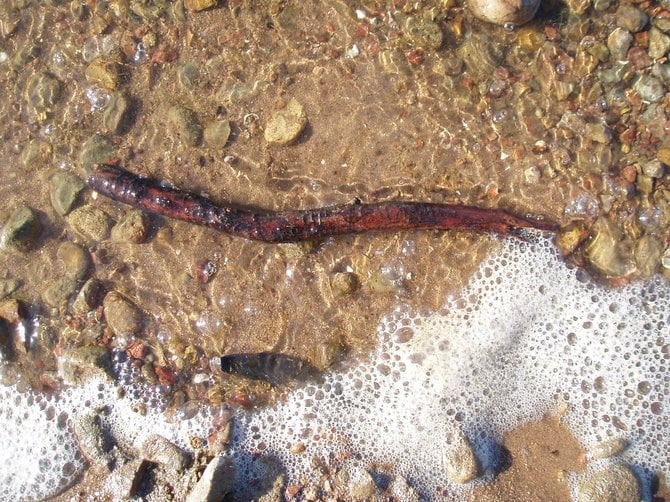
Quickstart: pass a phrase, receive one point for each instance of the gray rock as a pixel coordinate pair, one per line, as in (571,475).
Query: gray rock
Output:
(122,316)
(616,483)
(133,227)
(618,42)
(118,115)
(654,169)
(662,23)
(649,88)
(79,364)
(36,154)
(42,92)
(217,133)
(185,124)
(661,71)
(126,479)
(98,149)
(598,132)
(285,125)
(354,480)
(502,12)
(609,448)
(91,439)
(21,230)
(188,74)
(159,450)
(216,481)
(88,297)
(601,5)
(90,222)
(459,460)
(659,43)
(65,187)
(630,18)
(57,293)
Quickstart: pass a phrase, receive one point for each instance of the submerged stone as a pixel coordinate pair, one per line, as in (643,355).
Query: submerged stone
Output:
(612,484)
(459,460)
(185,124)
(65,187)
(21,230)
(285,125)
(90,222)
(122,316)
(504,11)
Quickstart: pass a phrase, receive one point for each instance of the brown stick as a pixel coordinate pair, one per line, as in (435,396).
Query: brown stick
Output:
(302,225)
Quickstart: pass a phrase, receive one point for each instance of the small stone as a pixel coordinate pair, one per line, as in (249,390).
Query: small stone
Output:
(88,297)
(663,155)
(188,74)
(117,117)
(609,448)
(42,92)
(601,5)
(400,490)
(285,125)
(217,133)
(649,88)
(216,481)
(608,251)
(618,42)
(630,18)
(598,132)
(122,316)
(459,460)
(90,222)
(659,43)
(394,62)
(662,23)
(423,32)
(356,481)
(570,237)
(133,227)
(11,310)
(185,124)
(159,450)
(480,55)
(654,169)
(239,92)
(126,479)
(344,283)
(57,293)
(104,72)
(8,286)
(648,252)
(98,149)
(198,5)
(503,12)
(65,187)
(74,258)
(36,154)
(79,364)
(91,439)
(612,484)
(579,7)
(661,71)
(21,230)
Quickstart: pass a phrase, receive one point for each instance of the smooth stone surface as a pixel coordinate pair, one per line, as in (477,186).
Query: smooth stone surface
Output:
(648,252)
(36,154)
(133,227)
(122,316)
(217,133)
(459,460)
(59,291)
(185,124)
(618,42)
(659,43)
(608,252)
(285,125)
(117,117)
(609,448)
(74,258)
(616,483)
(104,72)
(501,12)
(216,481)
(65,187)
(649,88)
(630,18)
(159,450)
(90,222)
(21,230)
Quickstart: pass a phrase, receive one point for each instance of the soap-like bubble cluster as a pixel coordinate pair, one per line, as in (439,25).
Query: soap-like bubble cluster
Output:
(528,335)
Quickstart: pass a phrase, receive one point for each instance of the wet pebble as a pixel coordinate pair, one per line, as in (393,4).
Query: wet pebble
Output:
(630,18)
(74,258)
(614,483)
(579,7)
(618,42)
(88,297)
(598,132)
(649,88)
(79,364)
(98,149)
(8,286)
(356,481)
(602,5)
(459,460)
(117,117)
(123,317)
(58,291)
(400,490)
(216,481)
(91,439)
(344,283)
(503,12)
(36,154)
(609,448)
(570,237)
(104,72)
(185,124)
(608,251)
(65,187)
(133,227)
(90,222)
(648,252)
(423,32)
(21,230)
(43,91)
(285,125)
(127,478)
(217,133)
(659,43)
(159,450)
(654,169)
(198,5)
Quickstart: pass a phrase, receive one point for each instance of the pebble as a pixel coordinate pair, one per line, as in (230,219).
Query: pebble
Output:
(36,154)
(661,71)
(57,293)
(659,43)
(8,286)
(133,227)
(598,132)
(90,222)
(65,188)
(117,117)
(159,450)
(123,317)
(609,448)
(188,74)
(608,252)
(356,482)
(185,124)
(503,12)
(601,5)
(648,252)
(21,230)
(42,92)
(649,88)
(74,258)
(654,169)
(104,72)
(480,56)
(344,283)
(217,133)
(235,92)
(126,479)
(91,439)
(284,126)
(198,5)
(570,237)
(79,364)
(459,460)
(423,32)
(618,42)
(630,18)
(217,480)
(400,490)
(98,149)
(579,7)
(88,297)
(616,483)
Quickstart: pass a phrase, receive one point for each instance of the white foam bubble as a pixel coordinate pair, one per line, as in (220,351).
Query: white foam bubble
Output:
(527,335)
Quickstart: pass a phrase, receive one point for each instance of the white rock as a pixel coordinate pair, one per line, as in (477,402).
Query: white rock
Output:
(502,12)
(459,460)
(217,480)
